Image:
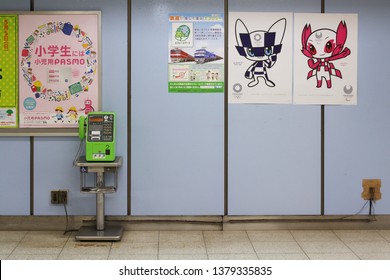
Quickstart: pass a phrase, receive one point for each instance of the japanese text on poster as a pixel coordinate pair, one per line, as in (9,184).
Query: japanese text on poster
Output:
(58,69)
(8,71)
(196,53)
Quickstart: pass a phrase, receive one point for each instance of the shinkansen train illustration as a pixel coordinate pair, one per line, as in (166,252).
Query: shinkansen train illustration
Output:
(203,56)
(178,55)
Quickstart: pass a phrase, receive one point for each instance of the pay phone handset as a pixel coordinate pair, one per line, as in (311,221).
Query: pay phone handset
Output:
(98,129)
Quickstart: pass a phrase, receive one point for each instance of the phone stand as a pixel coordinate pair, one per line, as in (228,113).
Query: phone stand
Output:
(99,170)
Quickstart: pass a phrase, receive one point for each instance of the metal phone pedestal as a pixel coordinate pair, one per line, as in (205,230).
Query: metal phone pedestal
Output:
(100,232)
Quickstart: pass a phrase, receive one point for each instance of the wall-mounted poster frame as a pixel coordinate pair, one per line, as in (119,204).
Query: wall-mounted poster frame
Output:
(58,71)
(325,59)
(196,53)
(8,70)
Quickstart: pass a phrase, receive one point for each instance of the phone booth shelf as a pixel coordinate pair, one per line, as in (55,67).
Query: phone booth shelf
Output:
(100,232)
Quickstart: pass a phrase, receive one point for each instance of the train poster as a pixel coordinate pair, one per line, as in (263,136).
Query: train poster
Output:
(58,68)
(325,59)
(260,58)
(8,71)
(196,53)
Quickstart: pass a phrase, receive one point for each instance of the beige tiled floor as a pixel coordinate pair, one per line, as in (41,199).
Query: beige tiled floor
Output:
(201,245)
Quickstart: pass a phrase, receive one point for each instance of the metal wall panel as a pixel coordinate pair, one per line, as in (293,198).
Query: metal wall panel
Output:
(177,139)
(274,150)
(114,96)
(357,137)
(15,155)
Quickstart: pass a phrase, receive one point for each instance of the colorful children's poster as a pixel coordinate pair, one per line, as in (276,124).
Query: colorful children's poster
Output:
(325,59)
(260,58)
(196,53)
(58,69)
(8,71)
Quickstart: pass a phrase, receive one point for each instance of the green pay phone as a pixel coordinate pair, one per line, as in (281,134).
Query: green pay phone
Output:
(98,129)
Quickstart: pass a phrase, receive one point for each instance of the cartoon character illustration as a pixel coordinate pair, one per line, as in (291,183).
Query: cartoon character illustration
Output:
(59,114)
(72,114)
(88,106)
(262,47)
(322,46)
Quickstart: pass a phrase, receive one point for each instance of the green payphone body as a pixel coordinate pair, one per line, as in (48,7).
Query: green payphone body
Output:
(98,129)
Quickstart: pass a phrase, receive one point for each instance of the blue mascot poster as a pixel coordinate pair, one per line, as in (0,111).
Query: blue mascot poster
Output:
(260,58)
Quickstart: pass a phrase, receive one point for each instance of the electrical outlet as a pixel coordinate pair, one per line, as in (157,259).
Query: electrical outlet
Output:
(59,197)
(371,189)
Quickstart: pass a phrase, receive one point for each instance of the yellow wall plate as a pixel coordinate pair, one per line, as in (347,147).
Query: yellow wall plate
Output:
(371,189)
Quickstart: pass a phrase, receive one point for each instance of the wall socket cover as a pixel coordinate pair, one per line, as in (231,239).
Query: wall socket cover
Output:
(371,189)
(59,197)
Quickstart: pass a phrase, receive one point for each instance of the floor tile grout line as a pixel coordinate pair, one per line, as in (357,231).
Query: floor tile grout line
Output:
(63,247)
(344,243)
(205,245)
(109,251)
(158,245)
(299,245)
(253,247)
(16,246)
(338,237)
(379,232)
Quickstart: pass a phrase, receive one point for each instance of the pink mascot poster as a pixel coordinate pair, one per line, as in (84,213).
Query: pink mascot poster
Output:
(58,69)
(325,59)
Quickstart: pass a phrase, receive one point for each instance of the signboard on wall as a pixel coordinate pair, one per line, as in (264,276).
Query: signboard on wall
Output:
(8,71)
(49,68)
(196,53)
(260,58)
(325,59)
(58,69)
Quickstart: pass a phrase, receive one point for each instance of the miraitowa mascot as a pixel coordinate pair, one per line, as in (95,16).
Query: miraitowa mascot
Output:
(261,47)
